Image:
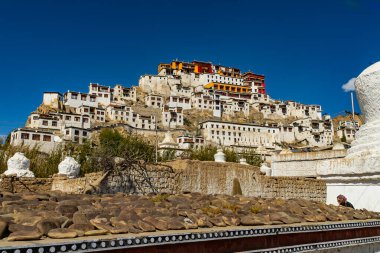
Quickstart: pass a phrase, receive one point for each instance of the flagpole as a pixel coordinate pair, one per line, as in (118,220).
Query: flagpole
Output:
(352,105)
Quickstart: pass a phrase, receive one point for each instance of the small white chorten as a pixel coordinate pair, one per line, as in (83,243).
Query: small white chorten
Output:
(168,141)
(18,165)
(220,157)
(69,167)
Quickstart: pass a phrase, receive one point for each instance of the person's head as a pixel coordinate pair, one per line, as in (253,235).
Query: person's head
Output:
(341,199)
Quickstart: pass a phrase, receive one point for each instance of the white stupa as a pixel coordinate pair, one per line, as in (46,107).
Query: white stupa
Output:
(69,167)
(18,165)
(358,174)
(168,141)
(220,157)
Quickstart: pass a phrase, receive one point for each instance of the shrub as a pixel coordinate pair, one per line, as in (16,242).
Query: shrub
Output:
(231,155)
(252,157)
(256,209)
(202,154)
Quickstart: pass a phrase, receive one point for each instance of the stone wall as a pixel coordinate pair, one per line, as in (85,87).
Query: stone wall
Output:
(74,185)
(196,176)
(158,178)
(14,184)
(218,178)
(205,177)
(305,164)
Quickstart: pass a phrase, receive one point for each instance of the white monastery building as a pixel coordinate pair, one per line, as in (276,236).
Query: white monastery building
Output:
(162,101)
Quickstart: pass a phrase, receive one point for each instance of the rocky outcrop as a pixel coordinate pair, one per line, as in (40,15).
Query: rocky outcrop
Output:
(18,165)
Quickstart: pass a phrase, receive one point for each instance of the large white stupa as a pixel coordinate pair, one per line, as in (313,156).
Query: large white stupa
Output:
(358,174)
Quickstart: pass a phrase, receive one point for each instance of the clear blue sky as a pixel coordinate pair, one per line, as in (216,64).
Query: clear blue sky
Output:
(306,49)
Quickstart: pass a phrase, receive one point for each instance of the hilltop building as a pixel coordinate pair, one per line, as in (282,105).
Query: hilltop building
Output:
(162,102)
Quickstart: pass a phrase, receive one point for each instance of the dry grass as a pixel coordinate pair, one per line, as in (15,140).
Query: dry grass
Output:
(256,209)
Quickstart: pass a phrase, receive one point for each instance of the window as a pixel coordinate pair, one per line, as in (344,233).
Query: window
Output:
(76,132)
(36,137)
(47,138)
(77,119)
(54,123)
(24,136)
(85,120)
(106,95)
(68,117)
(84,133)
(67,132)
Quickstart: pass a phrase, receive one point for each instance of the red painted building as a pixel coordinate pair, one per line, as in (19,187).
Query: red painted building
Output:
(202,67)
(258,80)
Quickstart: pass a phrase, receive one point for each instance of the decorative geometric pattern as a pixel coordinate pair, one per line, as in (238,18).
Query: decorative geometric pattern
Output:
(140,241)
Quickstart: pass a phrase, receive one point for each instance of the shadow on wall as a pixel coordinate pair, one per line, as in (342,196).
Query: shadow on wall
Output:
(236,188)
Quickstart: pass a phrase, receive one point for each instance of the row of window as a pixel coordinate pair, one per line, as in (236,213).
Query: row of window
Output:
(102,95)
(154,103)
(82,97)
(239,128)
(180,100)
(77,132)
(76,118)
(36,137)
(155,98)
(46,123)
(240,140)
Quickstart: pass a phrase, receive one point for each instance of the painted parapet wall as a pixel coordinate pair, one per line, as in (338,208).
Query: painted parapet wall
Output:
(305,164)
(204,177)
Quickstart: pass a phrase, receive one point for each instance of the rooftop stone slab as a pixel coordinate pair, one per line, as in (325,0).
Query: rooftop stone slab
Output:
(35,216)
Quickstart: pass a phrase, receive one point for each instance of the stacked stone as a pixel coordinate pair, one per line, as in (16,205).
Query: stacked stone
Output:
(32,216)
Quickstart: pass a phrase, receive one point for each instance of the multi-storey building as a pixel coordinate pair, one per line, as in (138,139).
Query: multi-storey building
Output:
(239,135)
(102,93)
(122,94)
(347,129)
(172,117)
(161,100)
(154,101)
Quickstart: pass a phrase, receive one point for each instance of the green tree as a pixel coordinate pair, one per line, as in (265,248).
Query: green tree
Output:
(202,154)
